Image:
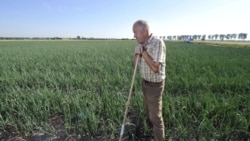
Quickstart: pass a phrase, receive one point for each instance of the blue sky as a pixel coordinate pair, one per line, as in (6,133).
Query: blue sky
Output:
(114,18)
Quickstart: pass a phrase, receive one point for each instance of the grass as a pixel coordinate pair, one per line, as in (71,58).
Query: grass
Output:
(238,44)
(87,83)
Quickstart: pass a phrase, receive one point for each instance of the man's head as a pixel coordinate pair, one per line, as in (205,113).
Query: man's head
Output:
(141,31)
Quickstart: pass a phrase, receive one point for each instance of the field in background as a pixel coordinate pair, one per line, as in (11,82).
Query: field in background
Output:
(236,44)
(85,85)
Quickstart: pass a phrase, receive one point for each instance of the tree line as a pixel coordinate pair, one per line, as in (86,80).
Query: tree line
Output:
(240,36)
(234,36)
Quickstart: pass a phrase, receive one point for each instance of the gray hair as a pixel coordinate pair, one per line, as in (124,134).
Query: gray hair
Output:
(143,24)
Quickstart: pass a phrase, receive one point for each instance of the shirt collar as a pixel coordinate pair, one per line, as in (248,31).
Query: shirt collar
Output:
(148,40)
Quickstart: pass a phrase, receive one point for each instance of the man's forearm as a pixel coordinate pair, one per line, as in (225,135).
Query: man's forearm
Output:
(155,67)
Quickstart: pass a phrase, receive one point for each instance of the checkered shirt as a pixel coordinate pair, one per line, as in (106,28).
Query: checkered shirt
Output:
(156,48)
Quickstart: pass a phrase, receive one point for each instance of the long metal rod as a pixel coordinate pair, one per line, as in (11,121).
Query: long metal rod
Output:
(129,97)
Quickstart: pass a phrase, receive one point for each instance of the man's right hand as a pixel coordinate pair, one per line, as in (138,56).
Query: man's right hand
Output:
(138,49)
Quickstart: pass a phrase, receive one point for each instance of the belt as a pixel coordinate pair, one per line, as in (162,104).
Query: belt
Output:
(152,83)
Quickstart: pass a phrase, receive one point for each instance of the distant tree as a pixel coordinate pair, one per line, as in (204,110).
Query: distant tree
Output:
(182,37)
(169,37)
(174,37)
(213,36)
(78,37)
(203,37)
(185,37)
(242,36)
(233,36)
(179,37)
(199,36)
(216,36)
(195,37)
(222,36)
(209,37)
(228,37)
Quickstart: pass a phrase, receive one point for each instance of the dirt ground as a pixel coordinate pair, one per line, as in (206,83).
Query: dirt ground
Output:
(59,134)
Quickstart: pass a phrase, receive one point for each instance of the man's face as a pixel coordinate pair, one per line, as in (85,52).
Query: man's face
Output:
(139,34)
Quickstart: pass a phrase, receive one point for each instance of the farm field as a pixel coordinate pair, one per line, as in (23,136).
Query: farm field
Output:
(78,89)
(237,44)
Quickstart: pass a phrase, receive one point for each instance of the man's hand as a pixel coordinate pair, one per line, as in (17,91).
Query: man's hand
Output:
(138,49)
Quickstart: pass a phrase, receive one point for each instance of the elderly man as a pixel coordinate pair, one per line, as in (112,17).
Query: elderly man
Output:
(152,53)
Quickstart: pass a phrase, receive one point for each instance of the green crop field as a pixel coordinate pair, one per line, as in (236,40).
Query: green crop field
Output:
(79,88)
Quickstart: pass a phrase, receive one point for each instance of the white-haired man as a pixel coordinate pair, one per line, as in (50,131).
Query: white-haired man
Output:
(152,53)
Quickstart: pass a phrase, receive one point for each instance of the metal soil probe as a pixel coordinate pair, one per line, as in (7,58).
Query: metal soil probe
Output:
(127,103)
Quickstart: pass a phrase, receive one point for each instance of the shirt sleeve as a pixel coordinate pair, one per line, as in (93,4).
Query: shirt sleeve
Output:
(159,52)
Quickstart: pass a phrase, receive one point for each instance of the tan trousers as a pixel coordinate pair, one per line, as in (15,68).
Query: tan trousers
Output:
(153,107)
